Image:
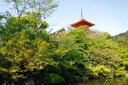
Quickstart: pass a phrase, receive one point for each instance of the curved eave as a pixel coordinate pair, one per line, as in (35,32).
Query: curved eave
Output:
(81,23)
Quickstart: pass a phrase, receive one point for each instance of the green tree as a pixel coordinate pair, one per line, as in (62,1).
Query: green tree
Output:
(44,7)
(70,53)
(103,50)
(28,22)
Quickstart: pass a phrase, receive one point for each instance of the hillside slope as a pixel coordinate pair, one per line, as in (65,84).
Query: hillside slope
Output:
(122,36)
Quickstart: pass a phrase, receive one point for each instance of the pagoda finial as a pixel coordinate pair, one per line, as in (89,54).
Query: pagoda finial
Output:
(81,14)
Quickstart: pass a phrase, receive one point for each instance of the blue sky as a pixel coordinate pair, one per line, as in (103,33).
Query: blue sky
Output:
(108,15)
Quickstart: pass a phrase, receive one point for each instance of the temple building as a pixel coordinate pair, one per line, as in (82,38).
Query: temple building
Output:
(59,31)
(82,22)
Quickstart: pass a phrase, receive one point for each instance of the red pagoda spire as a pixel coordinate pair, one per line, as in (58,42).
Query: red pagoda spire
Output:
(82,22)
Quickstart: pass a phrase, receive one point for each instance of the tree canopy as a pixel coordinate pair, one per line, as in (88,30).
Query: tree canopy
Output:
(28,51)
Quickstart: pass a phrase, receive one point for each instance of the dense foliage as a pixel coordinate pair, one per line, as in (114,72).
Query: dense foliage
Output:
(28,52)
(33,53)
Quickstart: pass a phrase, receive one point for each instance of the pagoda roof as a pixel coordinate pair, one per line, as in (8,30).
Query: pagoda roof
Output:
(81,23)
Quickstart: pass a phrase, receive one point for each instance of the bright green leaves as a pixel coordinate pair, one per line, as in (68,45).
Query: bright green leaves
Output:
(35,21)
(103,50)
(70,52)
(26,51)
(24,43)
(30,22)
(120,71)
(103,41)
(30,50)
(123,50)
(101,71)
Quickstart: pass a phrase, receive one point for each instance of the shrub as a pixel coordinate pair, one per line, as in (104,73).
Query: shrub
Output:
(120,72)
(53,79)
(101,71)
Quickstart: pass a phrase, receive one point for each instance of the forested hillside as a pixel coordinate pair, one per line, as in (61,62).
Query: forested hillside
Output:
(122,36)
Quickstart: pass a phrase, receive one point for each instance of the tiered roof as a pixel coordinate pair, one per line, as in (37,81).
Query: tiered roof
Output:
(81,23)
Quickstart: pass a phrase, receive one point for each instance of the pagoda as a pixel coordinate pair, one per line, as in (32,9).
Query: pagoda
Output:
(82,22)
